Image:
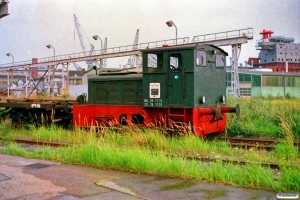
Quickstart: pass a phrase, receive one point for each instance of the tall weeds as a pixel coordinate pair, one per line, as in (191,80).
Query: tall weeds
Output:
(286,150)
(260,117)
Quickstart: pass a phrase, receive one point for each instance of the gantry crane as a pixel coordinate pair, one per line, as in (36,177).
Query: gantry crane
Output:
(3,8)
(132,60)
(78,27)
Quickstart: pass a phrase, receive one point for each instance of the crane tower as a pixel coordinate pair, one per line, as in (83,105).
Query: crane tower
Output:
(132,60)
(3,8)
(78,28)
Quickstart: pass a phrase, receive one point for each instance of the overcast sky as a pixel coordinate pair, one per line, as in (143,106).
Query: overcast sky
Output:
(32,24)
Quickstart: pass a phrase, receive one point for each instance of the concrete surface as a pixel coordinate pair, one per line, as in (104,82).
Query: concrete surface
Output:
(32,179)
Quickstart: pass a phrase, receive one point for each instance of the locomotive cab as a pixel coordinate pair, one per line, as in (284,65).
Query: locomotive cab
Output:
(187,84)
(184,77)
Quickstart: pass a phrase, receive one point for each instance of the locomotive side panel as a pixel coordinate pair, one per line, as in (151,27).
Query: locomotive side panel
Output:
(154,80)
(210,76)
(168,78)
(118,89)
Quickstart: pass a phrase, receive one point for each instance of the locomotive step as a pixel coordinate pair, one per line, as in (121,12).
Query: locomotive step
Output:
(181,115)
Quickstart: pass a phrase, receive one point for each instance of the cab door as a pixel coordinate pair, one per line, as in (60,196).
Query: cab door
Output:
(175,80)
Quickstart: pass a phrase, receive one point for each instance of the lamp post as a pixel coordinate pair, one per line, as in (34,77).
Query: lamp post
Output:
(171,23)
(101,60)
(12,73)
(49,77)
(9,54)
(50,46)
(96,38)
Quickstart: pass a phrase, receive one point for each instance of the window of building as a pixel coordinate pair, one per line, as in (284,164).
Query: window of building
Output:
(245,92)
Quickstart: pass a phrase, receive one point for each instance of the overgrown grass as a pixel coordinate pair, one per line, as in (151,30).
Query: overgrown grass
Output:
(147,150)
(145,161)
(261,116)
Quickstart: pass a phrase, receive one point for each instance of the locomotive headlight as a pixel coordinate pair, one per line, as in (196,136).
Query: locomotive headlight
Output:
(202,99)
(222,98)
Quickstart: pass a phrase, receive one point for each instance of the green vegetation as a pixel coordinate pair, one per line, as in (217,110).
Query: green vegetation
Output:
(148,151)
(261,117)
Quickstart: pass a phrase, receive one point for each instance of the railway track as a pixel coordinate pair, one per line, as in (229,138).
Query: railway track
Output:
(233,142)
(39,143)
(267,144)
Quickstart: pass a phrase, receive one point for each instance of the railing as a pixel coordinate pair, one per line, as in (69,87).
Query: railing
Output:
(248,32)
(113,50)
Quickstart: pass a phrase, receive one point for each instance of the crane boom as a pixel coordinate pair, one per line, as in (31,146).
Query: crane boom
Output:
(90,63)
(131,60)
(79,33)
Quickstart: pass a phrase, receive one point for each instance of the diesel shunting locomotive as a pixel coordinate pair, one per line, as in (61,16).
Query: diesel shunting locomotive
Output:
(179,88)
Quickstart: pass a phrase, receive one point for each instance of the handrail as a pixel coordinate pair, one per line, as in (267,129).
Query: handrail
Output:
(248,32)
(120,49)
(241,33)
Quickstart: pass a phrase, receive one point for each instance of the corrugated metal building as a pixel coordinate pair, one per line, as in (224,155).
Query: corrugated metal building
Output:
(260,83)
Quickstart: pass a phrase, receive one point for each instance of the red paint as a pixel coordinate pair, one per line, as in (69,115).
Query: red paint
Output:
(201,120)
(266,34)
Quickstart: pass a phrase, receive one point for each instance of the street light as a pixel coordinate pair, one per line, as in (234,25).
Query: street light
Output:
(12,73)
(171,23)
(96,38)
(9,54)
(50,46)
(101,60)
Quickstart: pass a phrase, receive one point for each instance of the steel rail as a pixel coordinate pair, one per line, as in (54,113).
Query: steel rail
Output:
(255,141)
(37,142)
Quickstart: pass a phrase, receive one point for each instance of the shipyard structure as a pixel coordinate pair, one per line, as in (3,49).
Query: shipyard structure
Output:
(278,53)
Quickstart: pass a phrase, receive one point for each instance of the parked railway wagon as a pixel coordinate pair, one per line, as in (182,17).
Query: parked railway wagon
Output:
(38,112)
(180,88)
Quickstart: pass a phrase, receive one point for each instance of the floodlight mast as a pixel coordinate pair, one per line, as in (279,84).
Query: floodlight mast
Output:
(12,73)
(50,46)
(171,23)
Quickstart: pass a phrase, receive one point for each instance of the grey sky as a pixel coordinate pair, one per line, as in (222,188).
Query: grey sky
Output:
(32,24)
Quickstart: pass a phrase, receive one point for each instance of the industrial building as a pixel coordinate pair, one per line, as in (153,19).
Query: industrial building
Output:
(264,83)
(278,53)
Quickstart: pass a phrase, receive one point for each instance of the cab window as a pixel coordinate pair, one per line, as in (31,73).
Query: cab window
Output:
(152,60)
(220,60)
(201,57)
(175,62)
